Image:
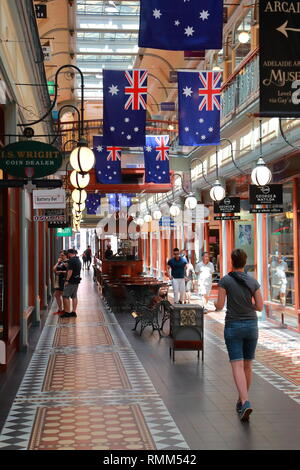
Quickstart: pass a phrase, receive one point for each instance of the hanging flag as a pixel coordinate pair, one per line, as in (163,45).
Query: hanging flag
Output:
(125,103)
(92,203)
(199,107)
(108,162)
(156,156)
(181,25)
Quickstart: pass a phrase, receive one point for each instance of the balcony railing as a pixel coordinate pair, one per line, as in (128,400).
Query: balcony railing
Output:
(242,88)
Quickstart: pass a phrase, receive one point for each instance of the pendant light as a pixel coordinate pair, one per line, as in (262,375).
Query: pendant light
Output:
(79,207)
(261,175)
(82,158)
(79,180)
(79,195)
(190,202)
(174,210)
(217,192)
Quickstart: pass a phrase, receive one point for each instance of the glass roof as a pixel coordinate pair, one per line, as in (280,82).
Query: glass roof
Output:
(106,37)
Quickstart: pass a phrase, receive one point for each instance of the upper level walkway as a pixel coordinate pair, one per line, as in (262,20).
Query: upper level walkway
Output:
(94,384)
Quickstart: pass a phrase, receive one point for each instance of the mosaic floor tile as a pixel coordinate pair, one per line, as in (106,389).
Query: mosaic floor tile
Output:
(91,428)
(85,371)
(83,336)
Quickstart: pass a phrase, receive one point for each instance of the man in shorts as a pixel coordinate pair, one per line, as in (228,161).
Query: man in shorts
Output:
(71,284)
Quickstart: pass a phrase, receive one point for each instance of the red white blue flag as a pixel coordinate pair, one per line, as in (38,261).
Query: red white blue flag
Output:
(108,162)
(181,25)
(156,157)
(125,103)
(199,95)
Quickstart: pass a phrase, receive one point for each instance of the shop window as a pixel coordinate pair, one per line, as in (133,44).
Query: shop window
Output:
(281,252)
(214,252)
(244,235)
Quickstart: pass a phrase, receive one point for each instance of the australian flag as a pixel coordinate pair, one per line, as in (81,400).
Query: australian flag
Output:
(108,162)
(156,156)
(199,107)
(181,25)
(125,102)
(92,203)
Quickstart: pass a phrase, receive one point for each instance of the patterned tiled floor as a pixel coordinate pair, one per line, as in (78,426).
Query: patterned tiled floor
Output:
(86,389)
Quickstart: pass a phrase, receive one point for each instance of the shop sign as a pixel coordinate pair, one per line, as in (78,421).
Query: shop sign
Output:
(64,232)
(51,89)
(12,183)
(173,76)
(227,205)
(47,53)
(279,63)
(167,106)
(49,199)
(49,218)
(167,223)
(56,225)
(30,159)
(269,194)
(40,10)
(266,210)
(227,217)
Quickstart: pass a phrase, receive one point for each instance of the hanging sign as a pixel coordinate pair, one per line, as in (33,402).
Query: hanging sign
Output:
(40,10)
(49,218)
(30,159)
(167,106)
(269,194)
(227,205)
(227,217)
(64,232)
(279,64)
(265,210)
(49,199)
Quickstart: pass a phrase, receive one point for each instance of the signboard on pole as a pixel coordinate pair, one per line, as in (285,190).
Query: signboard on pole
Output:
(227,205)
(269,194)
(279,64)
(30,159)
(49,199)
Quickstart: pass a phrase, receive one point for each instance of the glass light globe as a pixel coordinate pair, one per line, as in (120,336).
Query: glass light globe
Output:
(261,175)
(82,159)
(217,192)
(243,37)
(148,218)
(190,202)
(79,195)
(140,221)
(79,180)
(156,214)
(75,212)
(174,210)
(79,207)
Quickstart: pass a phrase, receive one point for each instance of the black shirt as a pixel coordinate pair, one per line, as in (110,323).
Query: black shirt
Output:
(61,270)
(74,264)
(108,253)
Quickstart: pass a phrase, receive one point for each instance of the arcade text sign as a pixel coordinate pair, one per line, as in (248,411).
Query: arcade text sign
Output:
(227,205)
(279,58)
(30,159)
(269,194)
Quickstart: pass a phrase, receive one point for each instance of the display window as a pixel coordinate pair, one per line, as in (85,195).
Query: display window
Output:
(244,236)
(281,252)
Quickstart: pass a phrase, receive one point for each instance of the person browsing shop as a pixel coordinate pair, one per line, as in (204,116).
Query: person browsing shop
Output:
(71,284)
(177,273)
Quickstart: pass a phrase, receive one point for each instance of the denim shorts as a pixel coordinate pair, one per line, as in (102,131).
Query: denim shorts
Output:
(241,339)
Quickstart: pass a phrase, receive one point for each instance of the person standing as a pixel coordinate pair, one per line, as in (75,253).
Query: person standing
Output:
(88,256)
(60,270)
(189,280)
(241,330)
(204,270)
(71,285)
(177,268)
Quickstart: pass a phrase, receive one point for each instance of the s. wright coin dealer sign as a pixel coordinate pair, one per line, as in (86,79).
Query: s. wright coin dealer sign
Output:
(30,159)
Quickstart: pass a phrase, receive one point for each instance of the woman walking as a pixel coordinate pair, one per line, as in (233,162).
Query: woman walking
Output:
(241,331)
(204,271)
